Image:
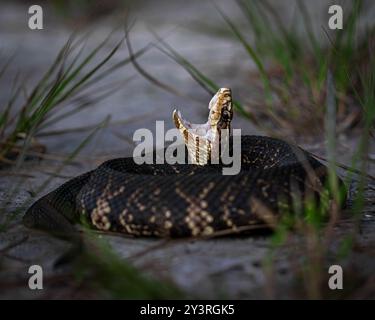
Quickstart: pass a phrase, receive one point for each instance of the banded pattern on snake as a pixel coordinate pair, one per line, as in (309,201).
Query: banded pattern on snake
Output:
(164,200)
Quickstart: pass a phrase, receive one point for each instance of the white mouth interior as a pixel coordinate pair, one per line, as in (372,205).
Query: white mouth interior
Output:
(203,130)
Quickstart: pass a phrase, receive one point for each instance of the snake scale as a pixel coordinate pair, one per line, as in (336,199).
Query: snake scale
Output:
(184,200)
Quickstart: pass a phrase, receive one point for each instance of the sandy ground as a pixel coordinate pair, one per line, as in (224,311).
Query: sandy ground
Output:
(217,268)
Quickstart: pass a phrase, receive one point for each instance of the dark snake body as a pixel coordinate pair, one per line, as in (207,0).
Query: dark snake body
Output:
(183,200)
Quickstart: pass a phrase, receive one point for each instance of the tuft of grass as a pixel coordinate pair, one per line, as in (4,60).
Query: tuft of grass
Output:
(292,72)
(69,86)
(312,237)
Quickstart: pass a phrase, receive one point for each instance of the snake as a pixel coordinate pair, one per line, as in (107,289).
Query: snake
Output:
(189,199)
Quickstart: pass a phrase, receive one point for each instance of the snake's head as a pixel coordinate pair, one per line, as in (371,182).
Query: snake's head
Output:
(221,109)
(202,140)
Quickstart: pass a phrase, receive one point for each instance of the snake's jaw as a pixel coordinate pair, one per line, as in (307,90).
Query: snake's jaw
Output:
(203,140)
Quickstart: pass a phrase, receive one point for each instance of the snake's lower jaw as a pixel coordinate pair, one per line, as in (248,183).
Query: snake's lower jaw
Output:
(177,119)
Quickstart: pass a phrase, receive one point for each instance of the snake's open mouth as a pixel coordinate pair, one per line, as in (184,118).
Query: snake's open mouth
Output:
(202,140)
(202,130)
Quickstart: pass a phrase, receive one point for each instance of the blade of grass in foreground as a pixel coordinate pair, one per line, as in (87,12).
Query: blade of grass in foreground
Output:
(330,130)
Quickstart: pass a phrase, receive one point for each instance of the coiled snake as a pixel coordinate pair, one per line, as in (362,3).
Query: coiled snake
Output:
(182,200)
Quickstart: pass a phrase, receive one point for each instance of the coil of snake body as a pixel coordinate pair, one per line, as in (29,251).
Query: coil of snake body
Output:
(184,200)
